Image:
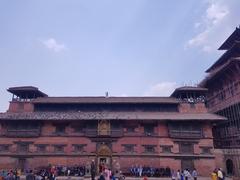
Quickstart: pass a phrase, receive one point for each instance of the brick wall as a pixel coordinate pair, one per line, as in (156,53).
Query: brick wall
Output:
(192,108)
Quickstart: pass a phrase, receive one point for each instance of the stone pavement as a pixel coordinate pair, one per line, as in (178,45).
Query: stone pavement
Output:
(130,178)
(127,178)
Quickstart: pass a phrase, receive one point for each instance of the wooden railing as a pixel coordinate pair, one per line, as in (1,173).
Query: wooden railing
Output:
(23,133)
(185,134)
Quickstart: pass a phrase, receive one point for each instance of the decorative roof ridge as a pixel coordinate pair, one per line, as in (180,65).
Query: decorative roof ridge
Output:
(217,70)
(223,57)
(231,39)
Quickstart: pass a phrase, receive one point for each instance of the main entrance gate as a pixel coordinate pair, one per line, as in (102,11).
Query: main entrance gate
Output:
(104,157)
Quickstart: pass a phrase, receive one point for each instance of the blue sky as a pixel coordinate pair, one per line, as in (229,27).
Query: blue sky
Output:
(128,48)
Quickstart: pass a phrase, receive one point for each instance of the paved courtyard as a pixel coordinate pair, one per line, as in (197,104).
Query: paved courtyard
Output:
(130,178)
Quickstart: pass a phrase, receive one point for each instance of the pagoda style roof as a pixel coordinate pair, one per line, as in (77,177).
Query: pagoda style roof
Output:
(63,116)
(228,43)
(188,89)
(26,92)
(105,100)
(231,53)
(219,71)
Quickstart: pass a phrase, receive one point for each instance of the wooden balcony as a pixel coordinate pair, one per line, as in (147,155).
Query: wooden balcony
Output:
(23,133)
(185,134)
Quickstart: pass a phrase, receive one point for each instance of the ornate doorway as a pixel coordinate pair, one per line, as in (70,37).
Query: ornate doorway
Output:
(104,157)
(22,164)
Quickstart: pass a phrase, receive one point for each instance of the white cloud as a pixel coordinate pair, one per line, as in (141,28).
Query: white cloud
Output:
(161,89)
(200,39)
(218,21)
(216,12)
(53,45)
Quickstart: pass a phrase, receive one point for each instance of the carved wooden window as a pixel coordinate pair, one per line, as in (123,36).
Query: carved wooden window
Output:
(206,150)
(128,148)
(185,130)
(59,148)
(149,129)
(4,147)
(166,148)
(77,148)
(22,129)
(22,126)
(149,148)
(130,129)
(41,148)
(104,128)
(60,129)
(78,128)
(23,147)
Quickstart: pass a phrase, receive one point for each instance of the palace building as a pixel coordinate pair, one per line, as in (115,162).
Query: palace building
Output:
(174,131)
(223,98)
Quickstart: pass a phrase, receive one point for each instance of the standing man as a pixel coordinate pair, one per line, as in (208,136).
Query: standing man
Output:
(93,170)
(194,174)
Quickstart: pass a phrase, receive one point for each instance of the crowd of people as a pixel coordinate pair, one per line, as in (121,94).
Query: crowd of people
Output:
(217,174)
(10,175)
(51,172)
(149,171)
(43,173)
(185,174)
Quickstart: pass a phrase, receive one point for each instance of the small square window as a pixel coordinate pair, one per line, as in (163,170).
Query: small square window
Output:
(41,148)
(78,148)
(59,148)
(149,148)
(206,150)
(166,149)
(128,148)
(4,148)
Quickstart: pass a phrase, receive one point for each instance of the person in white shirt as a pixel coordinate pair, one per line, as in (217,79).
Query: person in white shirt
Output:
(178,175)
(220,174)
(194,174)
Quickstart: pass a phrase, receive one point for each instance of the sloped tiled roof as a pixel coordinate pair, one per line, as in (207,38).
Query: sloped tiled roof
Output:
(109,116)
(104,100)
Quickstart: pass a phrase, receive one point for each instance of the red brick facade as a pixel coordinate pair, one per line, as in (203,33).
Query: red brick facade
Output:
(223,98)
(156,132)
